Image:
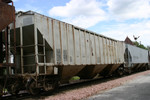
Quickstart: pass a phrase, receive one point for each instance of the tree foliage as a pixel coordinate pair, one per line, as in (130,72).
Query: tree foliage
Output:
(140,45)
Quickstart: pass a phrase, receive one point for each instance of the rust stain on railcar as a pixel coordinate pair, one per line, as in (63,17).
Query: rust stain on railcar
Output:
(95,49)
(80,46)
(85,46)
(103,50)
(66,28)
(48,25)
(52,21)
(61,43)
(74,44)
(6,14)
(113,52)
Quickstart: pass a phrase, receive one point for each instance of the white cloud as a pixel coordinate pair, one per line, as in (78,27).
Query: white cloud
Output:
(87,13)
(121,31)
(129,9)
(83,13)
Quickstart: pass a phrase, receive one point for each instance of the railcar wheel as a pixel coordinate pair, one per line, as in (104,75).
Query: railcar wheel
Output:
(51,87)
(120,71)
(33,89)
(15,89)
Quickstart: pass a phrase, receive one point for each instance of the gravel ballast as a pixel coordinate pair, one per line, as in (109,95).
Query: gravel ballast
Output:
(82,93)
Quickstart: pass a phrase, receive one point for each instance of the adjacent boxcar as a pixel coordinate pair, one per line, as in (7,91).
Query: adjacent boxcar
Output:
(136,58)
(7,16)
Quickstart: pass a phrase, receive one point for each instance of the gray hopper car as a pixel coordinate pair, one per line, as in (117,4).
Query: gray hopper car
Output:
(46,46)
(49,43)
(136,58)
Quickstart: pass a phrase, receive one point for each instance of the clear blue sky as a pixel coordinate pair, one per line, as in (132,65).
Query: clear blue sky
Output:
(113,18)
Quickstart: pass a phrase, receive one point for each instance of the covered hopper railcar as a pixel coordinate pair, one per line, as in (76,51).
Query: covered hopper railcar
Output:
(136,58)
(51,52)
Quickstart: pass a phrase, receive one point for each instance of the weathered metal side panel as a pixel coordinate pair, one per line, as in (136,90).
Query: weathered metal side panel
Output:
(92,47)
(77,43)
(117,52)
(112,55)
(107,52)
(110,50)
(57,44)
(113,52)
(44,25)
(120,56)
(122,51)
(108,47)
(104,49)
(101,50)
(83,52)
(97,49)
(88,50)
(64,43)
(71,44)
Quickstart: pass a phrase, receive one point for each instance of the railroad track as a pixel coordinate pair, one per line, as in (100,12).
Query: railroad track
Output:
(63,88)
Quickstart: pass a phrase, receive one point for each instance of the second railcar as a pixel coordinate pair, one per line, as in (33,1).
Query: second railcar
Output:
(136,58)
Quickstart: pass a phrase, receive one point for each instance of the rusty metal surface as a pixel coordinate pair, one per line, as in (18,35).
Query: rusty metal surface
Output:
(69,71)
(91,71)
(8,64)
(6,1)
(6,14)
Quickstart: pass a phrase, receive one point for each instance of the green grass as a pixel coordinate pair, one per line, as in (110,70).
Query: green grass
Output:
(75,78)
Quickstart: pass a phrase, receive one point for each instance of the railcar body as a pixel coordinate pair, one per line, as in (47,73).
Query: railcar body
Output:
(136,58)
(50,48)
